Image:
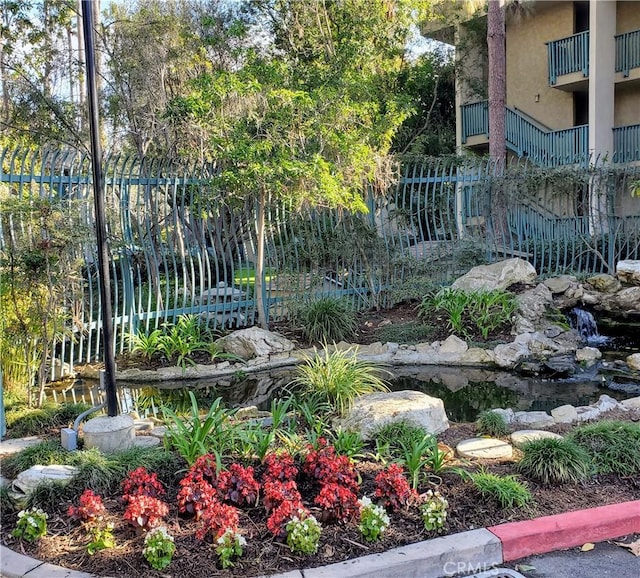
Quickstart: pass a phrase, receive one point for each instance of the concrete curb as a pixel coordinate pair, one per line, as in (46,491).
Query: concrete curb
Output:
(467,552)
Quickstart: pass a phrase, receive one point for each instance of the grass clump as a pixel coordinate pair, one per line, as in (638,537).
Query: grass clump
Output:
(23,421)
(409,333)
(613,446)
(554,461)
(45,453)
(392,438)
(506,490)
(339,377)
(491,423)
(327,319)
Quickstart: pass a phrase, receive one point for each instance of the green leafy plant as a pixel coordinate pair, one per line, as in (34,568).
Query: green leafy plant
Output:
(347,443)
(506,490)
(303,533)
(433,508)
(554,461)
(193,437)
(471,313)
(417,455)
(492,424)
(339,377)
(23,421)
(145,344)
(391,437)
(327,319)
(158,548)
(101,539)
(32,524)
(229,546)
(373,520)
(613,446)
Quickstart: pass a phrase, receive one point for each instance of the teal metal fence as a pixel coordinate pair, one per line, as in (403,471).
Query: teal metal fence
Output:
(475,119)
(627,52)
(626,143)
(568,55)
(177,247)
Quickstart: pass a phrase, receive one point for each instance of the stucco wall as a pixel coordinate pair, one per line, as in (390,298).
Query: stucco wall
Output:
(627,110)
(527,72)
(627,16)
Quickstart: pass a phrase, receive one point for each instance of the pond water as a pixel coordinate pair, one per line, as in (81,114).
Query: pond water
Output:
(465,391)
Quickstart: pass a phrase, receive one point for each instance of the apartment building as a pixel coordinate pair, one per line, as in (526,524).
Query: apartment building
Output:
(572,78)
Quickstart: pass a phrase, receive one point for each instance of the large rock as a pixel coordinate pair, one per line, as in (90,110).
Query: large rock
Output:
(604,283)
(372,411)
(508,355)
(534,419)
(564,414)
(561,283)
(30,479)
(254,342)
(628,272)
(499,275)
(633,361)
(533,303)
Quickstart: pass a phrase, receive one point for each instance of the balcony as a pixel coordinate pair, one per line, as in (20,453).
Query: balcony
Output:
(626,144)
(568,58)
(628,53)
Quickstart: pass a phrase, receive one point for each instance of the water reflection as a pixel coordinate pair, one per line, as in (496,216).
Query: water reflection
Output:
(465,391)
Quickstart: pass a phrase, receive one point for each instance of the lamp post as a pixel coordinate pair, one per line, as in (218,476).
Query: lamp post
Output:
(98,198)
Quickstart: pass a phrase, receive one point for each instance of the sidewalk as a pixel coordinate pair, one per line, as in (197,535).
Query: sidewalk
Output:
(472,552)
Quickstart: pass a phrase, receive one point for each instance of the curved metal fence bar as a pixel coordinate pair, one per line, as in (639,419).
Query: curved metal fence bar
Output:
(180,247)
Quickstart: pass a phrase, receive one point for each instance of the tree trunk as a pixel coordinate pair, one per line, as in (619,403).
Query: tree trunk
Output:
(497,138)
(263,317)
(497,75)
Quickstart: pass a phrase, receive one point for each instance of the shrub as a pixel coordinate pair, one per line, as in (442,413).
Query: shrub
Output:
(32,524)
(140,482)
(338,502)
(279,467)
(144,512)
(339,378)
(326,320)
(216,520)
(613,446)
(434,511)
(506,490)
(373,520)
(392,437)
(492,424)
(238,485)
(328,468)
(392,487)
(554,461)
(195,495)
(473,313)
(303,533)
(158,548)
(90,507)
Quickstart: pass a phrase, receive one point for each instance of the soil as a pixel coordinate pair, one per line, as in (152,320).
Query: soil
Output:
(65,543)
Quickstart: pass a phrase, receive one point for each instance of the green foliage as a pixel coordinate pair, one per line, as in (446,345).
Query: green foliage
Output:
(491,423)
(409,333)
(613,446)
(158,548)
(417,455)
(339,377)
(554,461)
(373,520)
(195,437)
(148,345)
(303,533)
(474,313)
(229,546)
(32,524)
(347,443)
(327,319)
(434,511)
(101,539)
(24,421)
(45,453)
(506,490)
(392,437)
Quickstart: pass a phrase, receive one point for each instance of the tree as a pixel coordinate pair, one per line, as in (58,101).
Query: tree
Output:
(497,82)
(310,121)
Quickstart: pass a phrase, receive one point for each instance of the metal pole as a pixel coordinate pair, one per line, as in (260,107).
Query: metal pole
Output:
(98,198)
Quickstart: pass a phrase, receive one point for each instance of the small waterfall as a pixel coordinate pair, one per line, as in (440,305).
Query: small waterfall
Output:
(585,324)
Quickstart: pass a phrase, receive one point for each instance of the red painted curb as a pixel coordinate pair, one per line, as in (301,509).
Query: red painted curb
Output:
(521,539)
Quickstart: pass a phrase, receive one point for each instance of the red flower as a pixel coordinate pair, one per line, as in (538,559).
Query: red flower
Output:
(279,467)
(140,482)
(238,485)
(339,502)
(216,519)
(195,494)
(90,507)
(392,487)
(144,512)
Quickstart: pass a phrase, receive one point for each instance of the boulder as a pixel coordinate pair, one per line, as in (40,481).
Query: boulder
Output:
(604,283)
(534,419)
(533,303)
(605,403)
(588,355)
(561,365)
(628,271)
(372,411)
(564,414)
(633,361)
(30,479)
(560,284)
(632,403)
(507,414)
(508,355)
(453,345)
(499,275)
(254,342)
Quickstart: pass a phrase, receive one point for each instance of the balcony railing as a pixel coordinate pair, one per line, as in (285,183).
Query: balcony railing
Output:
(568,55)
(549,148)
(626,143)
(475,119)
(627,52)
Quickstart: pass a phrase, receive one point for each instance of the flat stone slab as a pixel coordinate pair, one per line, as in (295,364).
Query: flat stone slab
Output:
(523,436)
(534,419)
(146,442)
(9,447)
(484,448)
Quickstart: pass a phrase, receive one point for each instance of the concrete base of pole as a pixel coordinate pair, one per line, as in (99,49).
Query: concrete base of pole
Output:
(109,434)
